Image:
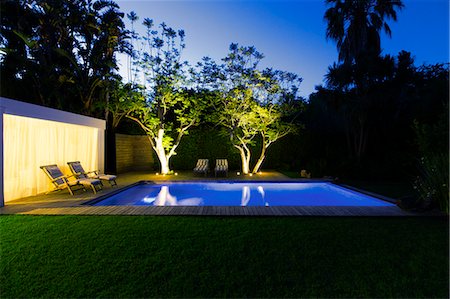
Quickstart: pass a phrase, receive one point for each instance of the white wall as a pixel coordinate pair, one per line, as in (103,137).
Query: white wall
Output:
(12,107)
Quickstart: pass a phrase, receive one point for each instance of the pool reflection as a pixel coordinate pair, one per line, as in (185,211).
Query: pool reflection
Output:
(240,194)
(165,198)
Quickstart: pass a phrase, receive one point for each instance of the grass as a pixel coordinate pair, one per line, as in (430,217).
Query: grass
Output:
(142,256)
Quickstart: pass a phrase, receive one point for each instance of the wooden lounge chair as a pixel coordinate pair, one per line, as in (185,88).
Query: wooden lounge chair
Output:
(221,167)
(202,166)
(61,181)
(79,172)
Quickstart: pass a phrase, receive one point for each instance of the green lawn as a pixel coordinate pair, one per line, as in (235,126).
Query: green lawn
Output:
(142,256)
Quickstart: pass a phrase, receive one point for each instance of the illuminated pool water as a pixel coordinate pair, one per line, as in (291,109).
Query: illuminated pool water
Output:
(240,194)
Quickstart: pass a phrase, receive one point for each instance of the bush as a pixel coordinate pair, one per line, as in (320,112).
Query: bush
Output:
(432,183)
(204,143)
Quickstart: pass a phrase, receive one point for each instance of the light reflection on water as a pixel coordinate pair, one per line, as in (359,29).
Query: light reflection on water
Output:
(164,198)
(241,194)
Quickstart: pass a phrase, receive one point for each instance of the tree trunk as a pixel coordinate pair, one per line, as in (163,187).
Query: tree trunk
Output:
(262,156)
(161,153)
(259,163)
(245,160)
(361,140)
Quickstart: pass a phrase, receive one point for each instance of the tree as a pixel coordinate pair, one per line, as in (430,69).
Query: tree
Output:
(271,127)
(102,36)
(357,102)
(252,102)
(123,99)
(133,17)
(238,78)
(237,114)
(355,26)
(169,108)
(66,49)
(277,112)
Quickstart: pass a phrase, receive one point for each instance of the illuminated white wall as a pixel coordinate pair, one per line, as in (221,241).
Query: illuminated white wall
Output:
(34,136)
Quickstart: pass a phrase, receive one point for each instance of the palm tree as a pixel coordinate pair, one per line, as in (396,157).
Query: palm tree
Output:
(355,25)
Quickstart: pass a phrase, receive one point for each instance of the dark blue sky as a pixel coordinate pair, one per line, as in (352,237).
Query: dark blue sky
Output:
(291,34)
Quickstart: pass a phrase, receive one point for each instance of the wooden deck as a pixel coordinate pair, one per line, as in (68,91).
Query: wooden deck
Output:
(222,211)
(61,203)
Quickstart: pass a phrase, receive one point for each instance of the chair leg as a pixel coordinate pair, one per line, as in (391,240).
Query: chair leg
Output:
(70,190)
(94,189)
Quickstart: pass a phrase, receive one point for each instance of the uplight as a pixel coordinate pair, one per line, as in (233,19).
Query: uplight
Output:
(238,173)
(250,174)
(176,173)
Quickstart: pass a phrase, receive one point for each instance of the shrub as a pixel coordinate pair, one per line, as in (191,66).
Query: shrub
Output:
(432,182)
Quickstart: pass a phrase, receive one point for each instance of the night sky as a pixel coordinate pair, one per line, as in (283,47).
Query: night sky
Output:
(291,34)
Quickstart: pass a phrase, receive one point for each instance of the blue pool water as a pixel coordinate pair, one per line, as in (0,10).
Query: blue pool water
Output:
(240,194)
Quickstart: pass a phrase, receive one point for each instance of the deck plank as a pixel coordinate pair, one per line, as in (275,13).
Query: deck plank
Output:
(344,211)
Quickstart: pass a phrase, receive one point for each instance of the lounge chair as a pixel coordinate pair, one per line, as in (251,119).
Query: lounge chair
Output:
(221,167)
(202,166)
(79,172)
(62,181)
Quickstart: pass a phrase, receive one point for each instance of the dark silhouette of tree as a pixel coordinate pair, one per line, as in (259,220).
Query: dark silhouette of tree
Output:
(355,25)
(64,50)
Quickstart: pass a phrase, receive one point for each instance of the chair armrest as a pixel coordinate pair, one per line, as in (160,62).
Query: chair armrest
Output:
(72,175)
(59,178)
(63,177)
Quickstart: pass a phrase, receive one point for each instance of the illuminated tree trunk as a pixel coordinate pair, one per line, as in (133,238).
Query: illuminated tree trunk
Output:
(245,158)
(161,152)
(260,160)
(157,143)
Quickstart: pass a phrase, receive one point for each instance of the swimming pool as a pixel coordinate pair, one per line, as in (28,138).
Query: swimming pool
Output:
(239,194)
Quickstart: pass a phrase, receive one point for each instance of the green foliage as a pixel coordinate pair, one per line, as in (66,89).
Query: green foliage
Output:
(205,143)
(252,103)
(214,143)
(123,99)
(432,183)
(167,107)
(63,50)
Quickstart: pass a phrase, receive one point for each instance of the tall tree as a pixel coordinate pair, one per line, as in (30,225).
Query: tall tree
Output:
(66,48)
(238,78)
(252,102)
(169,108)
(355,26)
(280,106)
